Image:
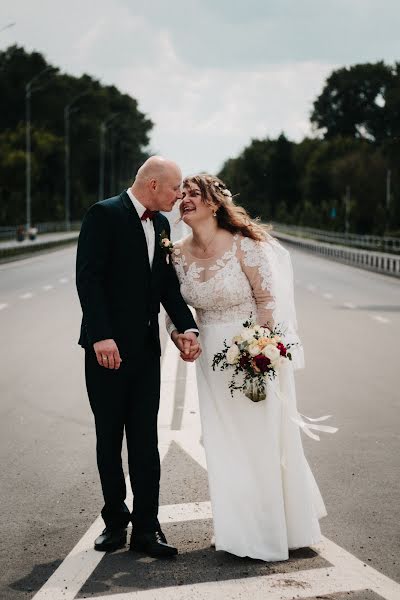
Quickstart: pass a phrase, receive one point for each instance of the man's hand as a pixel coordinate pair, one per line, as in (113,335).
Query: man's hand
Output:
(187,344)
(107,354)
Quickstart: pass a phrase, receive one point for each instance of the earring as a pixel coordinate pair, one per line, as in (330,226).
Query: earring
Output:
(214,214)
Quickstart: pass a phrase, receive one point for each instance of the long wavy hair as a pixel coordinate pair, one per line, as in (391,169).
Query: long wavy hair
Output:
(229,216)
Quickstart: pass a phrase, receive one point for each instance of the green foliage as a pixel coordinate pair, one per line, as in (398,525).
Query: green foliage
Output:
(265,174)
(357,117)
(352,103)
(126,138)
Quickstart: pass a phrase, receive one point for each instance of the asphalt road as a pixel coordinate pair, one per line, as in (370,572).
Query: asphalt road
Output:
(49,490)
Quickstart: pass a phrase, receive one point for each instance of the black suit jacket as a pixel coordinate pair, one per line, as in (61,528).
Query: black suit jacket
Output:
(119,293)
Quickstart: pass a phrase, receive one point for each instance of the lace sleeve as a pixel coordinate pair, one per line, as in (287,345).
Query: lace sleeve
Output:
(255,260)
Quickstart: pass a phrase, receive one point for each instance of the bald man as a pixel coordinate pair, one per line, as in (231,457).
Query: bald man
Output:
(122,276)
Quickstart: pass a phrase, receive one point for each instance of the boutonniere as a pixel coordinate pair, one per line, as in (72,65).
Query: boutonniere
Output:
(166,244)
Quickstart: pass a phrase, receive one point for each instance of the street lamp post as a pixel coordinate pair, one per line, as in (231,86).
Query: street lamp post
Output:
(388,198)
(7,27)
(347,210)
(103,129)
(28,94)
(67,112)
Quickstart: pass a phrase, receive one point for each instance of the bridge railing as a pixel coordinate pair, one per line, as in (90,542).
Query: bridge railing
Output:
(368,242)
(380,262)
(9,233)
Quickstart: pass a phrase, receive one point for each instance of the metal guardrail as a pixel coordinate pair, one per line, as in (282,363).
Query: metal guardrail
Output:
(11,248)
(9,233)
(380,262)
(369,242)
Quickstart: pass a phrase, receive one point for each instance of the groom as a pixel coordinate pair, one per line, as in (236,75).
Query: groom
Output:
(122,275)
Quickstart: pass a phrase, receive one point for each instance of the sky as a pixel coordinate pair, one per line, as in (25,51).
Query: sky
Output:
(211,74)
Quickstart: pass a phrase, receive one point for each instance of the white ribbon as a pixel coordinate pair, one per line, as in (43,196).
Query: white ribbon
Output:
(306,427)
(298,420)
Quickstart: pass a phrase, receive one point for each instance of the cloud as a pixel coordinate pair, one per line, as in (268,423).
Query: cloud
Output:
(203,116)
(211,74)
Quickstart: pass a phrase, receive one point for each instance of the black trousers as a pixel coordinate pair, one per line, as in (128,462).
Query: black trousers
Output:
(127,400)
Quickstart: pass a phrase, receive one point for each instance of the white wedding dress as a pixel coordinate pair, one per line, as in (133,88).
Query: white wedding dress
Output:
(264,498)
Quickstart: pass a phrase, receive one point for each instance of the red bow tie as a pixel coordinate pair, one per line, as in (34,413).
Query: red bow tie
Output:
(148,214)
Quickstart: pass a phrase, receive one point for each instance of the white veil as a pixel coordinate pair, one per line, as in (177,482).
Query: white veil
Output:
(283,291)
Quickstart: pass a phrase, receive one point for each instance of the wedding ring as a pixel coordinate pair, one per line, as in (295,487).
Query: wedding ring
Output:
(104,357)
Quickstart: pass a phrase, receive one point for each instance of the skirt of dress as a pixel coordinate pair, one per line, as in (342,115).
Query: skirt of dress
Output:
(264,497)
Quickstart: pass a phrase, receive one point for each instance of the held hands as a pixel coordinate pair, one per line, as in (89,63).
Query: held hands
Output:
(187,344)
(107,354)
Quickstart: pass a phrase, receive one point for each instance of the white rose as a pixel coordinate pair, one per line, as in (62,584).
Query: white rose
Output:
(254,349)
(276,364)
(271,352)
(247,334)
(232,354)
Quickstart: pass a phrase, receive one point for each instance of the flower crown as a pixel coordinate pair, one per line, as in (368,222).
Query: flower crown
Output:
(222,188)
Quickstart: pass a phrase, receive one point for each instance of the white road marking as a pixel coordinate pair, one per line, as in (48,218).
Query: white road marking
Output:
(327,296)
(26,296)
(46,288)
(282,586)
(190,419)
(346,573)
(310,287)
(192,511)
(168,386)
(3,306)
(380,319)
(349,305)
(80,563)
(63,280)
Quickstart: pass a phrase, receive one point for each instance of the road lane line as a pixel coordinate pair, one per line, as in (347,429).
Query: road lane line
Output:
(46,288)
(80,563)
(311,288)
(327,296)
(192,511)
(282,586)
(168,384)
(3,306)
(346,574)
(349,305)
(26,296)
(349,574)
(380,319)
(63,280)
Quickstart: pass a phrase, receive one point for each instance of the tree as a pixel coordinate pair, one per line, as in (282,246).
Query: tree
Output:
(353,102)
(127,138)
(265,175)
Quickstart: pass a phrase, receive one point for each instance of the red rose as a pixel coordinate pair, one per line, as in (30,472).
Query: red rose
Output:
(262,362)
(282,349)
(244,360)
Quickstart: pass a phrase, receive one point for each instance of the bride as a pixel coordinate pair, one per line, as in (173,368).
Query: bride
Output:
(264,498)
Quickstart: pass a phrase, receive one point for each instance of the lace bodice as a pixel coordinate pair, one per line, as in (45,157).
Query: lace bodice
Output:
(229,287)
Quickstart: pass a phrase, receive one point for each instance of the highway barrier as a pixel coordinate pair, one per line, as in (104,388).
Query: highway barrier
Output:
(380,262)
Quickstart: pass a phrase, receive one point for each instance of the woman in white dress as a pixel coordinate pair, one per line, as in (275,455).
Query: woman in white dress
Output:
(264,497)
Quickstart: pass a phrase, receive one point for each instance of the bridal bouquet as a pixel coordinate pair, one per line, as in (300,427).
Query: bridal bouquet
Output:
(257,352)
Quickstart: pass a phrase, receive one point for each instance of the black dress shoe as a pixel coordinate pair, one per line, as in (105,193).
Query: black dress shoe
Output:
(110,539)
(153,544)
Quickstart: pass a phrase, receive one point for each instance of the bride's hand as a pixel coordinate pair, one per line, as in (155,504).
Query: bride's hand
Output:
(187,344)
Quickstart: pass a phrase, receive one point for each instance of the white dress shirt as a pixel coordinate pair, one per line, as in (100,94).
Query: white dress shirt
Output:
(149,233)
(147,225)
